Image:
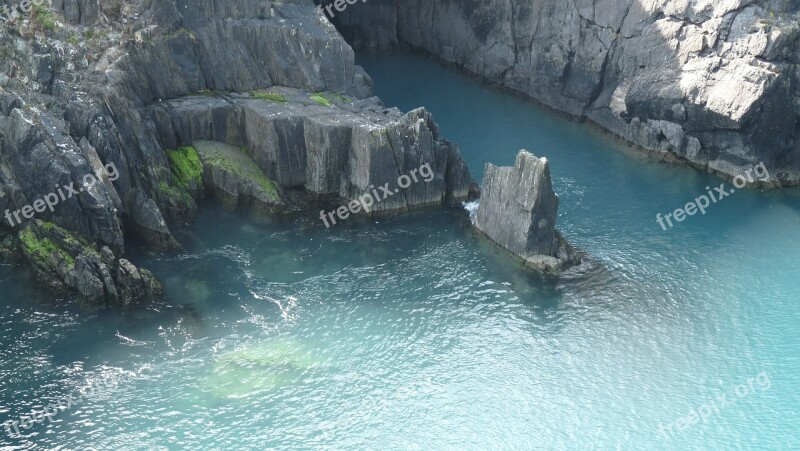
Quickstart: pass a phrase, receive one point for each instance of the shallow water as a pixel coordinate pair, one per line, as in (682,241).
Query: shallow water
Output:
(412,332)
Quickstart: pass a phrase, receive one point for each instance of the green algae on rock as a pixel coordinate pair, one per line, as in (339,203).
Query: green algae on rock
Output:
(234,178)
(186,167)
(269,96)
(321,99)
(63,259)
(41,249)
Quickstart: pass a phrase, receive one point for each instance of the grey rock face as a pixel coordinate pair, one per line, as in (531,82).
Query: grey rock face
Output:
(234,179)
(343,150)
(518,210)
(64,105)
(62,259)
(518,206)
(710,83)
(69,106)
(147,222)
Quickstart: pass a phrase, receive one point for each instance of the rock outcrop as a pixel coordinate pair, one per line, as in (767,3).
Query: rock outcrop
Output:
(710,83)
(518,211)
(64,260)
(235,180)
(325,145)
(133,82)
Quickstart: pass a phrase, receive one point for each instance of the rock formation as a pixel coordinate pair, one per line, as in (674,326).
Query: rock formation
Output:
(518,210)
(64,260)
(333,146)
(137,82)
(234,179)
(710,83)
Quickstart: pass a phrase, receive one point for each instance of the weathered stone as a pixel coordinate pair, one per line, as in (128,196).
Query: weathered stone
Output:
(234,178)
(147,222)
(68,108)
(135,283)
(722,76)
(345,150)
(518,210)
(63,260)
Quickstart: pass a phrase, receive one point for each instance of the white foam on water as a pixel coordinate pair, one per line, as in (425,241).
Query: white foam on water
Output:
(472,208)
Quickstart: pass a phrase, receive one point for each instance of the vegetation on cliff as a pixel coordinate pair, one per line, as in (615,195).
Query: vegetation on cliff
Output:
(186,167)
(41,249)
(238,164)
(321,99)
(269,96)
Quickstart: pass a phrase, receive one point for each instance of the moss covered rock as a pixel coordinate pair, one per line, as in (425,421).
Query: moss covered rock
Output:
(62,259)
(235,179)
(179,188)
(187,169)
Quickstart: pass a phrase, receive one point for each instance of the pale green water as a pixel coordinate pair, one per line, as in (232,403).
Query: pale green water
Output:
(414,333)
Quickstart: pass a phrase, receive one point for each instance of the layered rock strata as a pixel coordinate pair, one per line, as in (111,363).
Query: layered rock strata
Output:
(324,144)
(86,83)
(710,83)
(518,211)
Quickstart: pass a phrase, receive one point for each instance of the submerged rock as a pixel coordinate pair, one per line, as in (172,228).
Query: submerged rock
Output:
(260,368)
(518,210)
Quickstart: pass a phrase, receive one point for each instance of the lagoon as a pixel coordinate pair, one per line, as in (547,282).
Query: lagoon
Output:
(413,332)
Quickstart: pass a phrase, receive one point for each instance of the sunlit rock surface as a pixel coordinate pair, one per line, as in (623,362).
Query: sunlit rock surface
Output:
(518,210)
(710,83)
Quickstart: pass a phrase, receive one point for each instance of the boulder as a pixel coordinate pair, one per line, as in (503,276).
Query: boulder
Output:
(518,210)
(234,179)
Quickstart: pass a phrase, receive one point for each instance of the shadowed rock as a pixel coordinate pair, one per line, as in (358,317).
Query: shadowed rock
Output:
(64,260)
(518,211)
(147,222)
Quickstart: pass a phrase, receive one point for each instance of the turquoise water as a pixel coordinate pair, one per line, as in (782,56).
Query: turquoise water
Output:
(412,332)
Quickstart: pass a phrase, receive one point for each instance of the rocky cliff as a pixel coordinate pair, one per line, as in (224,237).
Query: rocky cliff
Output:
(335,147)
(85,83)
(518,211)
(707,82)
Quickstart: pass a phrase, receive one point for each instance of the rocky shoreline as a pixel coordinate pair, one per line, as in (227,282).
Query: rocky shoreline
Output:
(258,104)
(711,86)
